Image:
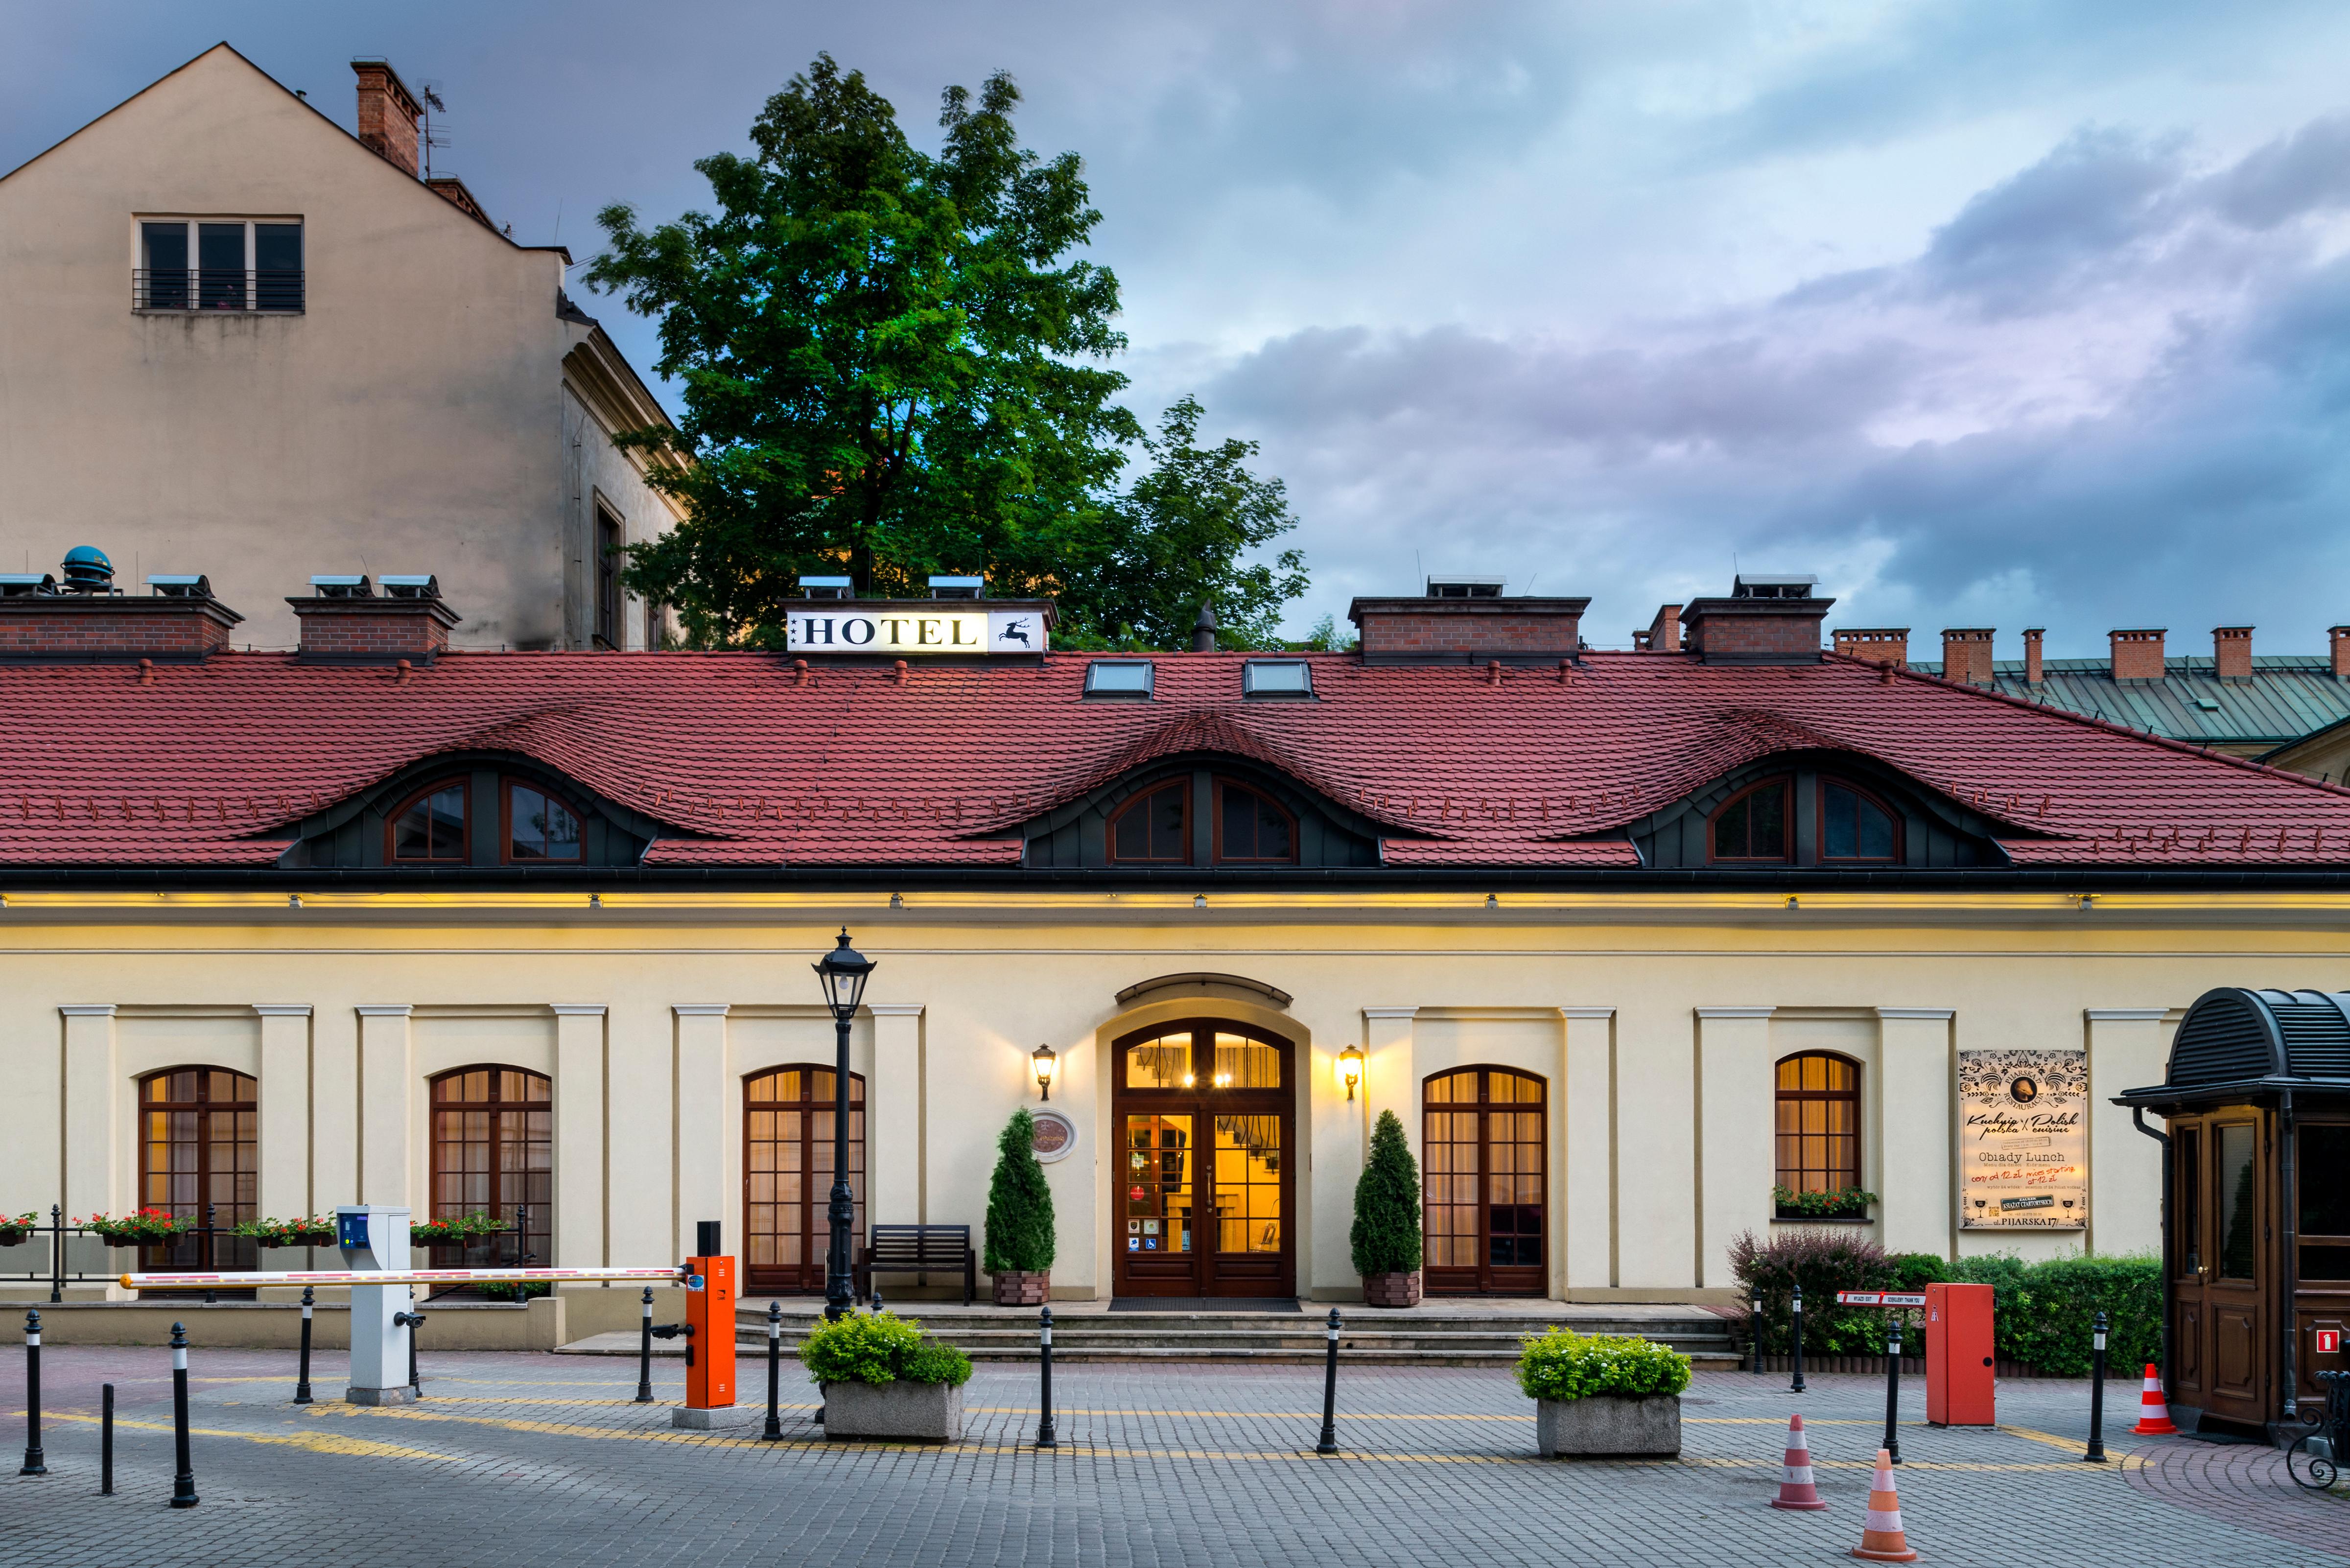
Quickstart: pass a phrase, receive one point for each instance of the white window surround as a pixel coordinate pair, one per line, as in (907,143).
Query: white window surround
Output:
(285,298)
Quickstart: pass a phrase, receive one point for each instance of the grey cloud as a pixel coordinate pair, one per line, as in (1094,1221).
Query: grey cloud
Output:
(2288,178)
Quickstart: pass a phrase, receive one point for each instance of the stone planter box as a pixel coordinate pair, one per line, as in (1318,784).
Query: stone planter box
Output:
(1391,1290)
(910,1412)
(1608,1425)
(1029,1288)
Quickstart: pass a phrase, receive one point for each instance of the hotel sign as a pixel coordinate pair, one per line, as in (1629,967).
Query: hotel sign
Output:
(2023,1140)
(903,631)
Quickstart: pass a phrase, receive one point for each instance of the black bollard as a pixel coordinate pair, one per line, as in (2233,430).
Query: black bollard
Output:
(302,1382)
(2096,1454)
(106,1440)
(36,1463)
(1893,1388)
(774,1433)
(1046,1438)
(412,1321)
(1328,1442)
(645,1353)
(183,1481)
(1796,1316)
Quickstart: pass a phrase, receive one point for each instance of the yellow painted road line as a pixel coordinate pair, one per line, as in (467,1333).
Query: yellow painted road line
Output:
(316,1442)
(2051,1439)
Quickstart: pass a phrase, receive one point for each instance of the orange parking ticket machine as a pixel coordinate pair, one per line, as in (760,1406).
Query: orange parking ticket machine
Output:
(1958,1369)
(710,1320)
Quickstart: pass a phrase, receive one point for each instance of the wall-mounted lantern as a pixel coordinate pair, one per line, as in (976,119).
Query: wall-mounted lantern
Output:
(1046,1060)
(1350,1069)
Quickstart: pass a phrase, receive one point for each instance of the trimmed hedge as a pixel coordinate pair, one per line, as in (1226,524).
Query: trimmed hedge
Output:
(1385,1235)
(880,1347)
(1565,1365)
(2040,1312)
(1020,1232)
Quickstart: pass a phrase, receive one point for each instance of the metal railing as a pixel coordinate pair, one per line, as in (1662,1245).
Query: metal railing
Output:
(210,288)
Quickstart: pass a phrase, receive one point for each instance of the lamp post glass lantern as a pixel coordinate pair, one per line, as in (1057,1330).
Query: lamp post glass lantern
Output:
(1350,1069)
(1046,1060)
(842,972)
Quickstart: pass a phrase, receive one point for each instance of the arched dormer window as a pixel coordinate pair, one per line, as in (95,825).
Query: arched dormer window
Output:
(1755,825)
(1154,828)
(483,812)
(430,824)
(539,826)
(1855,826)
(1253,828)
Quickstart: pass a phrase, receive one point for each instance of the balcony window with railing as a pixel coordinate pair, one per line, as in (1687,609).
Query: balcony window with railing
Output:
(189,265)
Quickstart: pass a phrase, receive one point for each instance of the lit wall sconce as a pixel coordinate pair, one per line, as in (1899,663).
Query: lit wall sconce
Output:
(1350,1069)
(1046,1060)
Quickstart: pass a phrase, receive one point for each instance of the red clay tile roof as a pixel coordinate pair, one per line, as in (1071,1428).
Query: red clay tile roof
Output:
(211,764)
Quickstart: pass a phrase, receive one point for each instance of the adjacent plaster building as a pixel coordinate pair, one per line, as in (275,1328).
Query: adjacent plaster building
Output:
(237,339)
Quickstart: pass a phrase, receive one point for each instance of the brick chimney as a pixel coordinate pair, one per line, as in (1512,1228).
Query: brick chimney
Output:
(366,630)
(2340,636)
(2032,636)
(2231,653)
(1765,620)
(170,627)
(1875,644)
(1664,633)
(2138,653)
(1469,630)
(1966,654)
(388,115)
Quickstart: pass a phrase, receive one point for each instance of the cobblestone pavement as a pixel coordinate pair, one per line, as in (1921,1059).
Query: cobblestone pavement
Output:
(527,1459)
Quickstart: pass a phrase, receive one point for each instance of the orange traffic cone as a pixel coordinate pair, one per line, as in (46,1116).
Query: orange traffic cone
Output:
(2153,1415)
(1797,1489)
(1881,1540)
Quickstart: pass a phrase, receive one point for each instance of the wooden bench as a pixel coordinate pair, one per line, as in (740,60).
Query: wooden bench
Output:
(917,1249)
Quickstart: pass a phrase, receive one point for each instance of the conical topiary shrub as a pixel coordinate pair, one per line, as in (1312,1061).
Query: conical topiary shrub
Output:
(1019,1217)
(1387,1218)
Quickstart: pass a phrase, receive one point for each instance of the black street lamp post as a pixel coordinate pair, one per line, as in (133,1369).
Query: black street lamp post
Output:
(842,971)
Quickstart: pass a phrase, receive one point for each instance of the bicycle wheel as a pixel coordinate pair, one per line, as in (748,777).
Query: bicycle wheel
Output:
(2310,1470)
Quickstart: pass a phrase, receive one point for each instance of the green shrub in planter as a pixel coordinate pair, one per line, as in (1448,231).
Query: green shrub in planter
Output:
(1385,1237)
(879,1347)
(1845,1203)
(1019,1204)
(1565,1365)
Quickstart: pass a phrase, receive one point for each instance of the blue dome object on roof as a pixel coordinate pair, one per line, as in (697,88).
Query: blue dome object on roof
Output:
(86,566)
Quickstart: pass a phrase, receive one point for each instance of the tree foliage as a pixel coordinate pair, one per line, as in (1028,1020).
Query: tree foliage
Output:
(1019,1204)
(1385,1237)
(895,363)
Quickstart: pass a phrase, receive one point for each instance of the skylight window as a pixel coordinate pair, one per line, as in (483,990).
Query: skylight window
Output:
(1276,677)
(1119,678)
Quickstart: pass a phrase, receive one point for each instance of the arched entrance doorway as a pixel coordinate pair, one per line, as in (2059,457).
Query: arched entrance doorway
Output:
(1205,1183)
(1482,1147)
(787,1176)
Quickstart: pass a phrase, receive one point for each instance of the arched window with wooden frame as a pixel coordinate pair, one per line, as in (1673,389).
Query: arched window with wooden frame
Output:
(429,827)
(787,1137)
(540,829)
(1253,828)
(198,1160)
(494,1153)
(1818,1112)
(1484,1178)
(1756,825)
(1154,828)
(1856,826)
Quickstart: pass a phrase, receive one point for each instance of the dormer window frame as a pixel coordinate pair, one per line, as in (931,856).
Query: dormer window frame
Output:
(1140,801)
(1785,784)
(461,783)
(1096,691)
(1867,797)
(1222,789)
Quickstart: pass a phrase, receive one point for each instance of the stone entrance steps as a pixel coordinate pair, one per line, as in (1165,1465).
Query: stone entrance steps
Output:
(1420,1337)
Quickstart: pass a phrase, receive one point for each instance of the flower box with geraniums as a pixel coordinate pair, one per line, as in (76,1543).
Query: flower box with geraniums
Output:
(146,1227)
(1602,1394)
(463,1230)
(316,1231)
(883,1378)
(1845,1203)
(1386,1240)
(1020,1242)
(18,1227)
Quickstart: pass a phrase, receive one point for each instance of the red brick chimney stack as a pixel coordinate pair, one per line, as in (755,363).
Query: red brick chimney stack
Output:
(2340,638)
(2032,636)
(2231,653)
(1875,644)
(387,114)
(367,630)
(1966,654)
(2138,653)
(1664,635)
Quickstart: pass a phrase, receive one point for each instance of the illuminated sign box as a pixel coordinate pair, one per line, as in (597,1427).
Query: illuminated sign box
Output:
(917,628)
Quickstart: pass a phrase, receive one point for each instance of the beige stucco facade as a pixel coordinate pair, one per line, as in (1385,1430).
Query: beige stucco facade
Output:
(431,407)
(1653,1019)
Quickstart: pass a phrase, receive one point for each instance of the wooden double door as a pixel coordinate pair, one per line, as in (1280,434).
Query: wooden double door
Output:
(1484,1182)
(787,1147)
(2222,1264)
(1204,1186)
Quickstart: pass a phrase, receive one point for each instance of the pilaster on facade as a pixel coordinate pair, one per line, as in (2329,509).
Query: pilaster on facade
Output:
(699,1119)
(2129,1047)
(282,1129)
(92,1166)
(895,1109)
(1734,1158)
(1391,1070)
(386,1057)
(581,1164)
(1584,1105)
(1913,1117)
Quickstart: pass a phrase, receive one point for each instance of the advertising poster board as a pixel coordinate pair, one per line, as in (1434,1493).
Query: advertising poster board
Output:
(2023,1140)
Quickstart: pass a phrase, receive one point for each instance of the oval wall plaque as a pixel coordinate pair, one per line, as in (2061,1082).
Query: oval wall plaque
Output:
(1056,1135)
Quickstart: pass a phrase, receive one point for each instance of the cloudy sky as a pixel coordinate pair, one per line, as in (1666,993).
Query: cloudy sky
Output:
(1986,312)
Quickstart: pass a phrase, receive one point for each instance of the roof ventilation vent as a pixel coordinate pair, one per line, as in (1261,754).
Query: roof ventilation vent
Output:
(88,571)
(1466,587)
(958,588)
(1772,586)
(336,586)
(181,584)
(26,585)
(411,585)
(824,587)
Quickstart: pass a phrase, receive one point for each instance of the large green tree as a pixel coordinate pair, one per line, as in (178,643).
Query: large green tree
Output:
(889,358)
